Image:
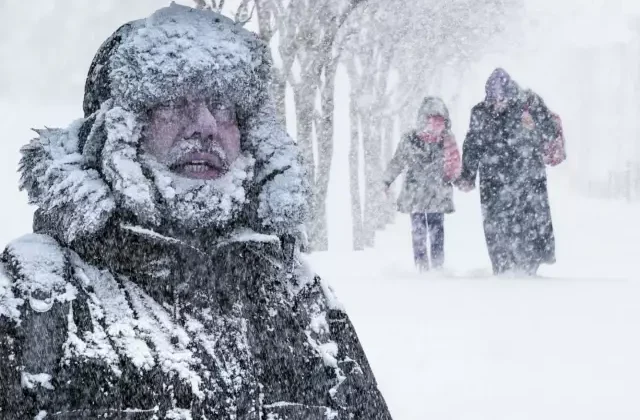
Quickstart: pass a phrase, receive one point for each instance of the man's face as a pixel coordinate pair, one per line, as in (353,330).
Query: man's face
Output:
(194,138)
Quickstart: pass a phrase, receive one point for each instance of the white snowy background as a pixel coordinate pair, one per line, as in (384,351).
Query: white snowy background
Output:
(462,345)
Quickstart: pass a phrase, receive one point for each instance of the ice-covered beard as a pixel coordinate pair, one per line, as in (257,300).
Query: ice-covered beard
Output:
(192,204)
(212,158)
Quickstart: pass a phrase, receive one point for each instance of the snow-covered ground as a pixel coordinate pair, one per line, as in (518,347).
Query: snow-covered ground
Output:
(467,346)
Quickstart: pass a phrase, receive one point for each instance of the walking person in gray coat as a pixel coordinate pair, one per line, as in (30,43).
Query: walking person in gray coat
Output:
(431,159)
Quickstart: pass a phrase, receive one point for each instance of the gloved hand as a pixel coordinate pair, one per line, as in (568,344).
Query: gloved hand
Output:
(387,189)
(465,186)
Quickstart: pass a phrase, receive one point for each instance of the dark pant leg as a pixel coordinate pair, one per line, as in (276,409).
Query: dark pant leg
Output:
(435,222)
(419,237)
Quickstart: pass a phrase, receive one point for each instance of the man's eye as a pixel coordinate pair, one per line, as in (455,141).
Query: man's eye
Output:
(224,113)
(166,105)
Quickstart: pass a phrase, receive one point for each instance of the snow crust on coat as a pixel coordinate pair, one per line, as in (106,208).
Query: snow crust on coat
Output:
(127,327)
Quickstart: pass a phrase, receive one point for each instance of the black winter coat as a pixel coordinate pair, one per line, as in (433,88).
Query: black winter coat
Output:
(137,326)
(506,149)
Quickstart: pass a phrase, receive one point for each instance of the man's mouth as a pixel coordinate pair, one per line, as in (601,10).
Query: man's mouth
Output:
(200,166)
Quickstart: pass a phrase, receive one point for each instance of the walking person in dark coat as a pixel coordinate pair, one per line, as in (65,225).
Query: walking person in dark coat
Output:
(511,136)
(160,281)
(431,159)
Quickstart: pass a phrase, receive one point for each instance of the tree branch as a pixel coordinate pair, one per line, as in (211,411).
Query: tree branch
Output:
(243,8)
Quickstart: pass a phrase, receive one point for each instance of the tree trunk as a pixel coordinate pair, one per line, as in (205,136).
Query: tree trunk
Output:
(320,234)
(278,80)
(374,194)
(380,198)
(316,225)
(354,162)
(368,223)
(389,207)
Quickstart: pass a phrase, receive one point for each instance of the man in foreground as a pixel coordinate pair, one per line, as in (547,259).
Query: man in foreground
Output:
(160,281)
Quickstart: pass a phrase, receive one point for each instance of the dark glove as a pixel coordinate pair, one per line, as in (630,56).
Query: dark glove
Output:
(464,185)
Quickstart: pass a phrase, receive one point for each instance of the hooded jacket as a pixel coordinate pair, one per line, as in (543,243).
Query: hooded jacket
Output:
(430,167)
(114,309)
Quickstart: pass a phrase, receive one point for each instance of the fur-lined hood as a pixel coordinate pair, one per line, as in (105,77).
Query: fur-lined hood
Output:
(433,106)
(81,176)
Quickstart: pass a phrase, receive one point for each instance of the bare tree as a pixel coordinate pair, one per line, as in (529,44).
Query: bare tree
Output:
(354,157)
(369,54)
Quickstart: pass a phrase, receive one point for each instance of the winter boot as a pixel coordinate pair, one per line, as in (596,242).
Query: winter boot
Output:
(422,265)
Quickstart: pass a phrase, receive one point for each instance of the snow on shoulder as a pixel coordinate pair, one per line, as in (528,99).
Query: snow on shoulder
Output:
(38,264)
(9,304)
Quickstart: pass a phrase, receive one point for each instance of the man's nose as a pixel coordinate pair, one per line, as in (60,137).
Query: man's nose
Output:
(202,123)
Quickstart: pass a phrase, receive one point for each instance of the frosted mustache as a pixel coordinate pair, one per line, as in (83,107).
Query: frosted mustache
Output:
(186,147)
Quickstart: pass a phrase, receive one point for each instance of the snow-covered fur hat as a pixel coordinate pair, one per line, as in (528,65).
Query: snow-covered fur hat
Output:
(82,176)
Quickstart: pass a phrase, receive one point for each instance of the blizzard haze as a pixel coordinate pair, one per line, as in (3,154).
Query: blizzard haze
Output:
(462,345)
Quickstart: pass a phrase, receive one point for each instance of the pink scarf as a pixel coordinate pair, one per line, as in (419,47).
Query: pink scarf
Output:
(433,129)
(434,132)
